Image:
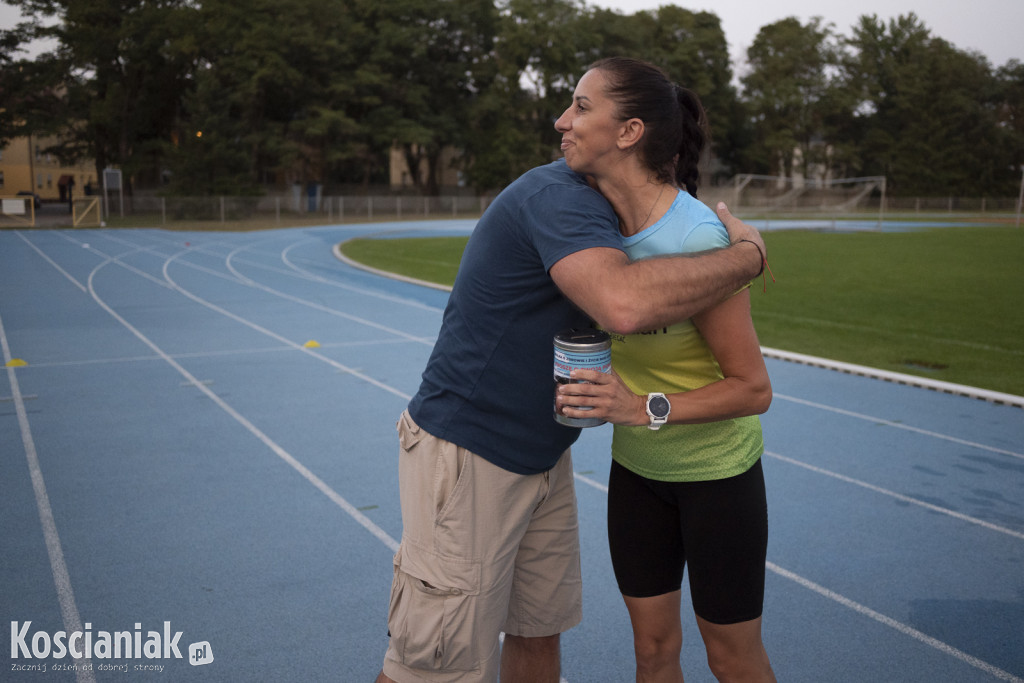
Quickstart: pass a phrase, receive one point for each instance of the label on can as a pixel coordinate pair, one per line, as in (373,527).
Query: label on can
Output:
(580,348)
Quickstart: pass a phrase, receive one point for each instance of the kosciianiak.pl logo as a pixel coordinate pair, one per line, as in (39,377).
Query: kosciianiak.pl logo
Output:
(89,644)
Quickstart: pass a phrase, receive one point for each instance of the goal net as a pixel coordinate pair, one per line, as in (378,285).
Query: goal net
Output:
(806,195)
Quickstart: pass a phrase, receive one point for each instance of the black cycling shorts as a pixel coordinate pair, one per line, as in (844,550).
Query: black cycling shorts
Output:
(718,529)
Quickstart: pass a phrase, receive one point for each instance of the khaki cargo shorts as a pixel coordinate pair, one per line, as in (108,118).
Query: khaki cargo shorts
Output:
(483,551)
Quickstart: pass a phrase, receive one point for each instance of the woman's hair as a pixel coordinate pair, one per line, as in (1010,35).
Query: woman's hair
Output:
(674,119)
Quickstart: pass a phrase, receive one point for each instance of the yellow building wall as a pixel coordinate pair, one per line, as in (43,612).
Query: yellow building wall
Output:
(26,167)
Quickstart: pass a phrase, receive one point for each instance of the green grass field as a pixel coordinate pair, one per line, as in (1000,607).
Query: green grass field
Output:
(937,303)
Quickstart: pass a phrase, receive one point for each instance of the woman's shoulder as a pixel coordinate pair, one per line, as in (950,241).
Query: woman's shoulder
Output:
(703,230)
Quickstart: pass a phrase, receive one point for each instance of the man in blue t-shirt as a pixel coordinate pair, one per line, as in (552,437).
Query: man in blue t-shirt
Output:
(489,541)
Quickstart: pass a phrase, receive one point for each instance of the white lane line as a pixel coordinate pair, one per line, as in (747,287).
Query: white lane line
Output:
(292,271)
(53,263)
(899,626)
(239,278)
(319,307)
(135,249)
(54,549)
(286,258)
(591,482)
(262,330)
(898,425)
(870,613)
(898,496)
(306,474)
(391,543)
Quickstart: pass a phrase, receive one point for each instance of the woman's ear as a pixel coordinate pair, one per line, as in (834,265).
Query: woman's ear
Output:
(631,133)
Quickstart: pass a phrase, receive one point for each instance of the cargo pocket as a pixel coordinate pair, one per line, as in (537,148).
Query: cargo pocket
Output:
(409,433)
(431,611)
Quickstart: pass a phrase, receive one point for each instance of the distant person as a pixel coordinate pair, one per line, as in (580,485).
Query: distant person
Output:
(490,539)
(686,486)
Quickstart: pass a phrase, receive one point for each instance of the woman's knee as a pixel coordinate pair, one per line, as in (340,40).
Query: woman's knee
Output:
(735,652)
(655,651)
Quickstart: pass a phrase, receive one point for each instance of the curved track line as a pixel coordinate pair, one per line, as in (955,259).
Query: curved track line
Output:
(284,455)
(320,307)
(273,335)
(286,259)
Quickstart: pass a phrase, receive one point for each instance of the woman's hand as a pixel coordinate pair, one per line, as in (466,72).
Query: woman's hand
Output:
(610,398)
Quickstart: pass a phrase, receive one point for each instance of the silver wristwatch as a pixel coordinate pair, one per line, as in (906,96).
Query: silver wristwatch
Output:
(658,408)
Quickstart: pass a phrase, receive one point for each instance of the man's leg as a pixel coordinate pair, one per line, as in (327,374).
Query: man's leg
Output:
(455,567)
(546,596)
(530,660)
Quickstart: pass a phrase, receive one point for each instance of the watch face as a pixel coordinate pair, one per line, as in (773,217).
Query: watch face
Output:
(659,406)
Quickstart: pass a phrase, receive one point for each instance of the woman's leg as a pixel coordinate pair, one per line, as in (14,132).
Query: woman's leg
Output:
(657,637)
(727,542)
(647,556)
(735,651)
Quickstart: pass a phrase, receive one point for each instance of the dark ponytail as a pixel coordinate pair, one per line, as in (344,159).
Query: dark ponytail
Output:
(695,139)
(676,130)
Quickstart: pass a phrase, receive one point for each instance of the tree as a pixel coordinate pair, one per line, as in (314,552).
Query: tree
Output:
(786,90)
(1010,82)
(422,64)
(927,113)
(526,82)
(110,87)
(267,96)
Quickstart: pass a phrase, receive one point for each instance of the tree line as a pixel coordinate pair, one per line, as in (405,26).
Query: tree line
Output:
(228,96)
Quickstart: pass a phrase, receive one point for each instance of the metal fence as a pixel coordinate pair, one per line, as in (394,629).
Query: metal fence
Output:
(281,210)
(272,211)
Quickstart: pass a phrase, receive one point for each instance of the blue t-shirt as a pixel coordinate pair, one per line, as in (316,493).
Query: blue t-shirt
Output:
(688,226)
(488,385)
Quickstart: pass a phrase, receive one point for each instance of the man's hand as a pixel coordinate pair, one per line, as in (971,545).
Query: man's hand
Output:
(738,230)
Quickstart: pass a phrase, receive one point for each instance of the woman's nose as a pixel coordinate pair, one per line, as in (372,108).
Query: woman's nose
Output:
(562,122)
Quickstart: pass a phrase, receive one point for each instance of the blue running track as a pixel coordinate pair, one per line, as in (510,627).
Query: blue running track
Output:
(197,447)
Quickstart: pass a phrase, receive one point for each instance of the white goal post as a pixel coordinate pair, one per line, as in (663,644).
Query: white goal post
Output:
(18,210)
(797,194)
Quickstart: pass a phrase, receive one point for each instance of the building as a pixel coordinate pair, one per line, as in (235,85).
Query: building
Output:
(26,167)
(449,176)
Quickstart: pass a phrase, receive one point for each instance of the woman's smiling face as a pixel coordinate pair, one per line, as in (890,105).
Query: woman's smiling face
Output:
(590,127)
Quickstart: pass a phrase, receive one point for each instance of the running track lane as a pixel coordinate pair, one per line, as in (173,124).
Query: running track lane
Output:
(203,435)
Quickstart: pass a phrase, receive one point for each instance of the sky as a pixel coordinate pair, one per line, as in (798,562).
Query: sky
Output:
(993,27)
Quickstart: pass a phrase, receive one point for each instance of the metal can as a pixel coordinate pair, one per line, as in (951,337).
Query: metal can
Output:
(580,348)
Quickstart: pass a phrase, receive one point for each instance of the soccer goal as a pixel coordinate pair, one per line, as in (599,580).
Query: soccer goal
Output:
(19,211)
(809,195)
(86,212)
